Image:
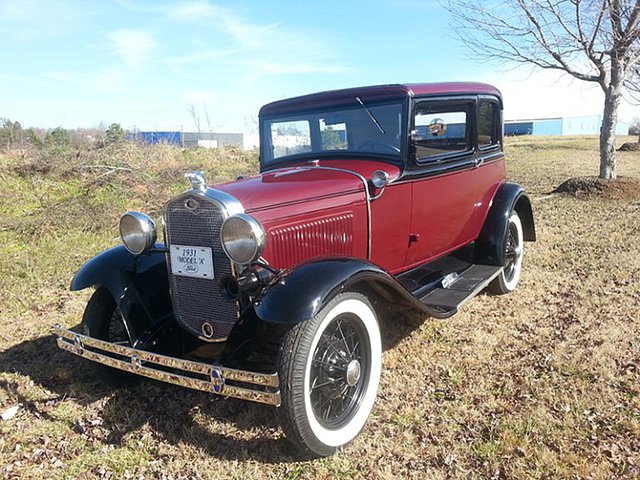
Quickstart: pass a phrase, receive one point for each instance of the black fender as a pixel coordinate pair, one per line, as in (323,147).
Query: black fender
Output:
(490,245)
(139,285)
(299,294)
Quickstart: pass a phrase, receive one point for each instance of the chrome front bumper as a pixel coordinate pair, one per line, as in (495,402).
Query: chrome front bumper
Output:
(256,387)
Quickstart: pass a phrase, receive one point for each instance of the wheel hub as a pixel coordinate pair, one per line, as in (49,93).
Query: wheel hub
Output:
(353,372)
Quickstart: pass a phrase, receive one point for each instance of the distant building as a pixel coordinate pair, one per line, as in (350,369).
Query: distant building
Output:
(584,125)
(212,140)
(188,139)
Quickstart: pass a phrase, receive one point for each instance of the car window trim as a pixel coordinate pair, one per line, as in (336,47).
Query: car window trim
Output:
(425,163)
(496,123)
(398,159)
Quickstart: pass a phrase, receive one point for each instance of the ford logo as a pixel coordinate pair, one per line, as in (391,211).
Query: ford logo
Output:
(190,269)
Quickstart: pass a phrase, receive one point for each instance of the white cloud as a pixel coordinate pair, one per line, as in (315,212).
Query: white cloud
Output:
(201,97)
(262,49)
(28,20)
(247,34)
(202,56)
(192,10)
(133,46)
(284,68)
(105,80)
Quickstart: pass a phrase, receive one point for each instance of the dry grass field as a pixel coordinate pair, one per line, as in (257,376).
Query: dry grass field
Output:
(543,383)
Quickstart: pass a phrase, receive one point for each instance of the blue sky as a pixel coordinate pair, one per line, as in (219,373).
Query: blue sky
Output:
(163,65)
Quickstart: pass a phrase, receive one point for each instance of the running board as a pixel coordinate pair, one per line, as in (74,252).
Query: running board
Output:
(457,289)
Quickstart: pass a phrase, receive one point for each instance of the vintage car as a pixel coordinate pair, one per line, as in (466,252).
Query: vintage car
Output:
(271,288)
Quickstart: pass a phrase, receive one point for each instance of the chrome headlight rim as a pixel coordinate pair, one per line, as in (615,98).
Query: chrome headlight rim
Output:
(138,232)
(254,233)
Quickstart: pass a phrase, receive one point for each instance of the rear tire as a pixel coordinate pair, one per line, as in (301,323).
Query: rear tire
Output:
(329,372)
(102,320)
(508,279)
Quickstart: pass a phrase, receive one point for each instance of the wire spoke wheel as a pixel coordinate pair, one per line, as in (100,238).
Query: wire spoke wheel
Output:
(117,329)
(509,277)
(337,381)
(512,252)
(329,372)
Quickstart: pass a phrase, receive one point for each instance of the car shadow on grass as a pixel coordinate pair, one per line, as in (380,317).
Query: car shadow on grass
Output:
(224,428)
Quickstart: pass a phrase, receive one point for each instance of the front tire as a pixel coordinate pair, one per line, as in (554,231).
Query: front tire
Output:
(329,372)
(508,279)
(102,320)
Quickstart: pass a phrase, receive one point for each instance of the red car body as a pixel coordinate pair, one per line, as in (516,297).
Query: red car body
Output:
(417,219)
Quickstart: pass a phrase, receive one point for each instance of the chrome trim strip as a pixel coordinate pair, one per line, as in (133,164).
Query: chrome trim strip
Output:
(137,362)
(228,204)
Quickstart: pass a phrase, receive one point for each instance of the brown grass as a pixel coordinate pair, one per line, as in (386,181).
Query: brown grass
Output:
(543,383)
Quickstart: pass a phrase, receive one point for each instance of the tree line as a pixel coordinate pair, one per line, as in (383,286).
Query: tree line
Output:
(14,136)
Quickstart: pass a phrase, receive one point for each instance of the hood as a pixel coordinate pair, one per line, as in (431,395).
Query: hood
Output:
(291,185)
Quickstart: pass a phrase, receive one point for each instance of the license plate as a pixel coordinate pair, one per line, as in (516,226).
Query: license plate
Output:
(190,261)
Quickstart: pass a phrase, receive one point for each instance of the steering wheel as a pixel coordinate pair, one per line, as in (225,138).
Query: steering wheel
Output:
(378,147)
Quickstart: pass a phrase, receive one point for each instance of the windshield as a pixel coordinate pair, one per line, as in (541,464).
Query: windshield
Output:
(358,129)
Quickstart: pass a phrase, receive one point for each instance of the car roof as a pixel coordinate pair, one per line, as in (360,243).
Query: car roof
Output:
(378,93)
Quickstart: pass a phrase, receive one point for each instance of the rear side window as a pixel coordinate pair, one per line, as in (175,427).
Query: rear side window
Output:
(441,130)
(487,124)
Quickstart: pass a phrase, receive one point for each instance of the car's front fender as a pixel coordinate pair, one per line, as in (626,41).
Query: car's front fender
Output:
(138,284)
(299,294)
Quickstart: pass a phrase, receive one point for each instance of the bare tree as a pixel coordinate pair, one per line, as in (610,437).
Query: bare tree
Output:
(592,40)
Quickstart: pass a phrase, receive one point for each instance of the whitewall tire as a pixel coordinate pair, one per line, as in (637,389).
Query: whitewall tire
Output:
(508,279)
(329,372)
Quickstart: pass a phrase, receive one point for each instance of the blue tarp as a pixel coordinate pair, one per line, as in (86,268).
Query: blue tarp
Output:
(173,138)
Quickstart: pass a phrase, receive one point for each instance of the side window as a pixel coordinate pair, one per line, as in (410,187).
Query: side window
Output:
(441,130)
(487,124)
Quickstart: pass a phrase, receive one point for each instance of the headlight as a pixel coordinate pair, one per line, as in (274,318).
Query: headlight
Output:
(243,238)
(138,232)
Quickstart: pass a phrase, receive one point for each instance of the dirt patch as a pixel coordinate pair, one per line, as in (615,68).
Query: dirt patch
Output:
(621,188)
(630,147)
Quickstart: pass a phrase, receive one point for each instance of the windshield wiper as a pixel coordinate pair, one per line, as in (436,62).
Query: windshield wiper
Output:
(373,119)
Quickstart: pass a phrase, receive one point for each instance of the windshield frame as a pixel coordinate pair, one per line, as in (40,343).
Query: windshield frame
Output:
(318,111)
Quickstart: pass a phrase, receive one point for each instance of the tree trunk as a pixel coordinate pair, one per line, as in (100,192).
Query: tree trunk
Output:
(612,96)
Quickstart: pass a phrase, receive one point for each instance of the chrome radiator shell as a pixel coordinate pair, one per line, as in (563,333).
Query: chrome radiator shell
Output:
(195,218)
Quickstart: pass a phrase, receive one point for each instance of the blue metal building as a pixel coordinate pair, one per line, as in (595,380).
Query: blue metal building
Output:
(583,125)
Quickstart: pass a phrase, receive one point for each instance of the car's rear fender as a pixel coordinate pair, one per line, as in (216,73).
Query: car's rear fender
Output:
(490,246)
(138,284)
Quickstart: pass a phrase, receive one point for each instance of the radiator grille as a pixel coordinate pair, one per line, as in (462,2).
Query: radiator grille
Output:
(197,301)
(328,236)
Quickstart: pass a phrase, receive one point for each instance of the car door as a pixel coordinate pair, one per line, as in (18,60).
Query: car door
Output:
(449,190)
